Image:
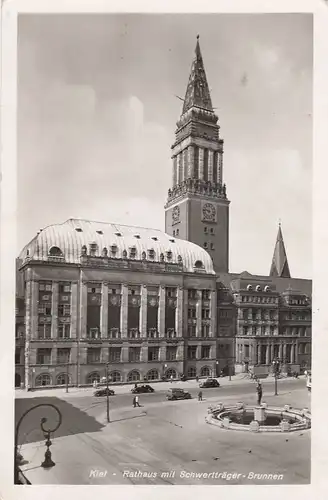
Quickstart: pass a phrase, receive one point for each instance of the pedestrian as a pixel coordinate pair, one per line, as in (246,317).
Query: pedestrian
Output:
(259,393)
(137,400)
(135,386)
(197,378)
(171,378)
(134,402)
(200,396)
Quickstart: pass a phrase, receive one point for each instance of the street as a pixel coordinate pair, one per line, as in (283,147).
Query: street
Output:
(162,442)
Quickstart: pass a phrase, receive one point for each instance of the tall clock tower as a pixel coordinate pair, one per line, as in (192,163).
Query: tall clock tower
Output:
(197,207)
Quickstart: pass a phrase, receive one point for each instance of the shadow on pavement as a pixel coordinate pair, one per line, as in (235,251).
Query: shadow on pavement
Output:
(74,421)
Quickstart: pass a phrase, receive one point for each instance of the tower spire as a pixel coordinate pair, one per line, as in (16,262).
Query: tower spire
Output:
(197,93)
(279,266)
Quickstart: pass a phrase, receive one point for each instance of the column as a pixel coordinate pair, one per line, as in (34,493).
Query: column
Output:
(272,352)
(179,168)
(184,164)
(201,163)
(213,311)
(124,311)
(191,158)
(174,172)
(54,311)
(280,352)
(31,317)
(220,167)
(295,354)
(267,357)
(83,308)
(198,352)
(284,352)
(210,165)
(161,312)
(199,314)
(104,311)
(253,354)
(292,354)
(74,310)
(179,313)
(258,354)
(180,352)
(143,312)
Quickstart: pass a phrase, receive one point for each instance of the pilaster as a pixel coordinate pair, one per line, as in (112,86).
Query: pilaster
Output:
(124,311)
(259,354)
(54,310)
(220,167)
(199,314)
(74,311)
(104,311)
(83,307)
(213,312)
(201,163)
(161,312)
(174,171)
(179,168)
(191,159)
(179,313)
(210,165)
(267,357)
(143,312)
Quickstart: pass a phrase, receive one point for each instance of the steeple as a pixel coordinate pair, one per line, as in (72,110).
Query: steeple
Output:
(279,266)
(198,93)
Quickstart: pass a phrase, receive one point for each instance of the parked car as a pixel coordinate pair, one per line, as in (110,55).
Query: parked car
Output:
(173,394)
(142,388)
(209,382)
(103,392)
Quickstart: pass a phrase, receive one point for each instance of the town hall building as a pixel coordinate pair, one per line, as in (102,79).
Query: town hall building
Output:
(144,304)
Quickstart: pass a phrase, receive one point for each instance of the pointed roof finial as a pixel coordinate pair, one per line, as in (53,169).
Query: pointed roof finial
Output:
(198,93)
(279,266)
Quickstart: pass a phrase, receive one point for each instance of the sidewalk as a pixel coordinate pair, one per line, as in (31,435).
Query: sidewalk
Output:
(239,379)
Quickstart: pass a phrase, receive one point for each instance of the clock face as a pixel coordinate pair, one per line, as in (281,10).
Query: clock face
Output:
(175,215)
(209,212)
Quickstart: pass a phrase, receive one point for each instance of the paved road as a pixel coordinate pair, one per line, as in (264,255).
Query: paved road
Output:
(87,413)
(171,438)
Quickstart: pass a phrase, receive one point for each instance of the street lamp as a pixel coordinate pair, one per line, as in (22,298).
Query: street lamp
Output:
(216,368)
(164,370)
(276,366)
(48,462)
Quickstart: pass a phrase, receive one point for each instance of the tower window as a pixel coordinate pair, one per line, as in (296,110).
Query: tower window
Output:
(173,232)
(212,230)
(212,246)
(205,244)
(205,229)
(177,232)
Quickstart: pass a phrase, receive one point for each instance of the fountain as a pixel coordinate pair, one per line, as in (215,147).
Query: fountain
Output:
(260,418)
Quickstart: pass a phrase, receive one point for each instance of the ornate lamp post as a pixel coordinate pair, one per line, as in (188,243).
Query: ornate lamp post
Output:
(217,368)
(164,370)
(276,367)
(48,462)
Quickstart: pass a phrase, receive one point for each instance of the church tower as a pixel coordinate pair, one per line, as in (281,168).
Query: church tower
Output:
(197,207)
(279,265)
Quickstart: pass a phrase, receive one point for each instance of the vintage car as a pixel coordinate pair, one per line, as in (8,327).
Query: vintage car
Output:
(173,394)
(103,392)
(142,389)
(209,382)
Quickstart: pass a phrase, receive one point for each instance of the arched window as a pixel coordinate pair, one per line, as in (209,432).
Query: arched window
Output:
(134,376)
(171,373)
(93,377)
(258,288)
(205,371)
(153,375)
(267,288)
(115,376)
(199,264)
(191,372)
(55,252)
(249,287)
(61,379)
(43,379)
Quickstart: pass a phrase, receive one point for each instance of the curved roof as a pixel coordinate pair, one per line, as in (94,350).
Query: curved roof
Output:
(73,234)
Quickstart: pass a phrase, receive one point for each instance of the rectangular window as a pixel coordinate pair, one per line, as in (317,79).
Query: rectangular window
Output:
(115,354)
(44,331)
(64,331)
(93,355)
(17,356)
(43,357)
(192,294)
(134,354)
(171,353)
(63,355)
(191,312)
(64,287)
(205,330)
(206,351)
(170,333)
(93,333)
(205,313)
(45,308)
(114,333)
(191,330)
(153,353)
(134,333)
(45,286)
(192,352)
(64,310)
(206,294)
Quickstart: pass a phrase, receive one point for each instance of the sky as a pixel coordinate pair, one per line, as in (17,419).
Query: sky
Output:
(97,112)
